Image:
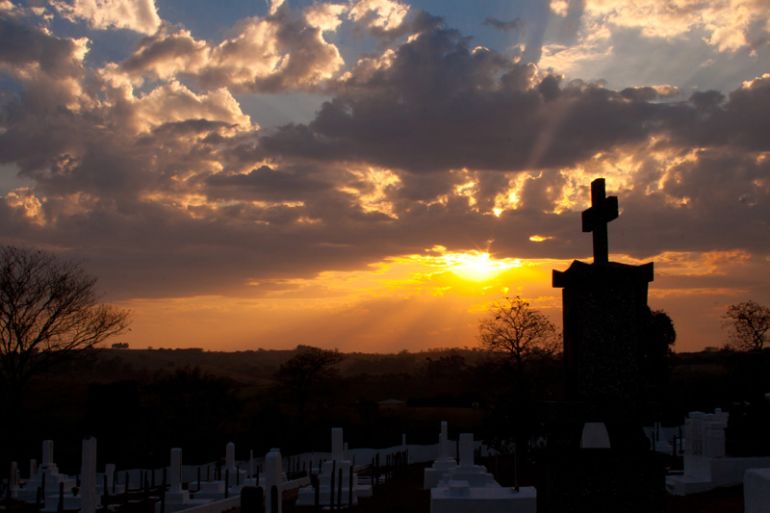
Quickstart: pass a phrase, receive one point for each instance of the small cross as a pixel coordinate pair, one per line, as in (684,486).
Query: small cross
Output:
(603,210)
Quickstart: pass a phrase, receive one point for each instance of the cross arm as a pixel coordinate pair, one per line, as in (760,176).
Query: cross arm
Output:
(601,214)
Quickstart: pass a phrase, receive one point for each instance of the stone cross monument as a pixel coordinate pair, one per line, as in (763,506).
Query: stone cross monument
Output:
(605,312)
(595,219)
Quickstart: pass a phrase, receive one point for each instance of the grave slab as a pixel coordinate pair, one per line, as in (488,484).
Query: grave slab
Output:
(460,497)
(756,491)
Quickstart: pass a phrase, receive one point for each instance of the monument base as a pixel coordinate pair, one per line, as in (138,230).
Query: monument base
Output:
(460,497)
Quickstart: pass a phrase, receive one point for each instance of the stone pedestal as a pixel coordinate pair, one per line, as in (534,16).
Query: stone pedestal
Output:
(595,436)
(605,316)
(756,491)
(432,475)
(460,497)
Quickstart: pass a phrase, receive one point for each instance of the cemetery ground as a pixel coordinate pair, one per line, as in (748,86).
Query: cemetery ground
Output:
(139,403)
(403,492)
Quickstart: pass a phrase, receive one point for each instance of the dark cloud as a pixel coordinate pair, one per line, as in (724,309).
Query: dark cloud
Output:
(168,189)
(743,120)
(515,24)
(640,94)
(441,105)
(21,44)
(169,45)
(276,53)
(269,184)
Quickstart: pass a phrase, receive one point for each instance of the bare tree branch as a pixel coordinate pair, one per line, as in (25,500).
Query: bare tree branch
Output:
(48,309)
(512,327)
(748,324)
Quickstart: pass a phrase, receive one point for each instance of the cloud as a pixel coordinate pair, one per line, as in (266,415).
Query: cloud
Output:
(284,51)
(151,167)
(741,121)
(434,103)
(325,16)
(166,53)
(515,24)
(379,16)
(727,25)
(173,102)
(26,50)
(268,184)
(649,93)
(137,15)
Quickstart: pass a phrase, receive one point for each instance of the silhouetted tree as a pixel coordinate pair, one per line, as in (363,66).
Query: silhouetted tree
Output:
(307,371)
(747,324)
(660,336)
(512,327)
(449,366)
(48,310)
(657,349)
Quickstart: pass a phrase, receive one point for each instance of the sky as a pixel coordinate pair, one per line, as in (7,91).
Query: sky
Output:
(372,175)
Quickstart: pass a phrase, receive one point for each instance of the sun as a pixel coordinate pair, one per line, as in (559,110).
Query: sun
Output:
(478,265)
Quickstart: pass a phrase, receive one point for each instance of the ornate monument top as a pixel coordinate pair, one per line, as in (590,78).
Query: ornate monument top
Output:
(603,210)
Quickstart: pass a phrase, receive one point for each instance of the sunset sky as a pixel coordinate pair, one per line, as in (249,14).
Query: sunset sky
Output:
(371,174)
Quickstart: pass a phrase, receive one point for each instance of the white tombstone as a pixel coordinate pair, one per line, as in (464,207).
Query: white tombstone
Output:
(48,467)
(714,443)
(89,498)
(706,465)
(467,470)
(443,462)
(756,490)
(32,468)
(704,440)
(47,453)
(338,447)
(443,441)
(231,476)
(274,476)
(466,449)
(175,471)
(595,436)
(175,495)
(470,488)
(13,479)
(48,470)
(336,465)
(109,473)
(230,457)
(696,464)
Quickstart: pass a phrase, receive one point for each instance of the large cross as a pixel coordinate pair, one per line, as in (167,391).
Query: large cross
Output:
(603,210)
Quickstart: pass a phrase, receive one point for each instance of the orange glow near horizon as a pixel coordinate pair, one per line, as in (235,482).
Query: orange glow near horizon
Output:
(478,266)
(419,301)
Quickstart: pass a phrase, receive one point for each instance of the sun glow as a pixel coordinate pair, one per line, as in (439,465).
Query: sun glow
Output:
(478,265)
